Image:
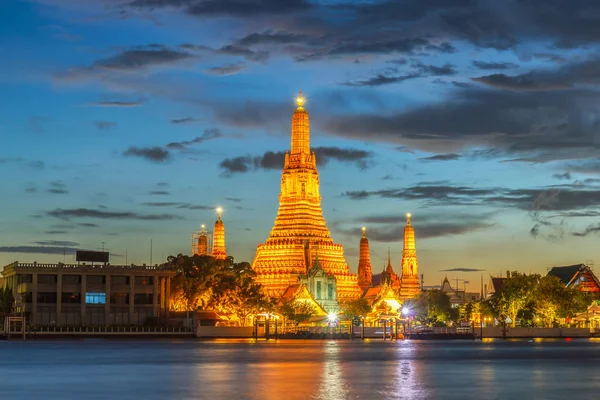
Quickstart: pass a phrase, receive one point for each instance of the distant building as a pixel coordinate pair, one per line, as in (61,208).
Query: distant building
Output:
(90,295)
(458,297)
(578,276)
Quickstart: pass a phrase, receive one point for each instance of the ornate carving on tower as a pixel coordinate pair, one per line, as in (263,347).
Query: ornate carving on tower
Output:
(202,248)
(410,265)
(365,272)
(219,251)
(299,227)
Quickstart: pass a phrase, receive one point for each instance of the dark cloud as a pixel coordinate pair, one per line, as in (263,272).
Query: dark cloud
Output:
(442,157)
(34,165)
(117,103)
(178,205)
(57,188)
(269,37)
(183,120)
(229,69)
(154,154)
(39,249)
(208,134)
(56,232)
(584,72)
(159,193)
(141,57)
(494,65)
(251,55)
(590,229)
(105,125)
(74,213)
(394,74)
(238,8)
(565,175)
(57,243)
(233,199)
(585,166)
(462,270)
(275,160)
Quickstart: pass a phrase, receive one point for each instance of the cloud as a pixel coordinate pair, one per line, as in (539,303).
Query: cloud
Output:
(208,134)
(229,69)
(494,65)
(178,205)
(154,154)
(238,8)
(57,243)
(233,199)
(57,188)
(116,103)
(159,193)
(565,175)
(183,120)
(275,160)
(141,57)
(462,270)
(251,55)
(269,37)
(38,249)
(105,125)
(593,228)
(442,157)
(394,75)
(74,213)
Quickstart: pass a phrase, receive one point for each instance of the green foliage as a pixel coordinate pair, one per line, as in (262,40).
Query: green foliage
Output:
(355,308)
(432,307)
(516,295)
(6,300)
(297,311)
(207,283)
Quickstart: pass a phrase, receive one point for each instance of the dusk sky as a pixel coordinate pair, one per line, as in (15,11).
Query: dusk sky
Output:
(124,121)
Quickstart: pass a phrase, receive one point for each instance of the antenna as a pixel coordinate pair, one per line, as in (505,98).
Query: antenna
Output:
(150,251)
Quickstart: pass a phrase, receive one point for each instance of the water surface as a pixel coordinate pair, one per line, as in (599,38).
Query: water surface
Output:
(289,370)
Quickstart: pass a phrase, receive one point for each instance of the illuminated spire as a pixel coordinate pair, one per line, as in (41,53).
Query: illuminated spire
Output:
(365,272)
(219,251)
(410,264)
(202,245)
(408,216)
(300,128)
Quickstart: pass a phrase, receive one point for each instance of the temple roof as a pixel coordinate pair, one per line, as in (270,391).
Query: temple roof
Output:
(497,284)
(567,273)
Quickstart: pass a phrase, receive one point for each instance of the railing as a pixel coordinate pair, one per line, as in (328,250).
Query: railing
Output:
(106,329)
(94,267)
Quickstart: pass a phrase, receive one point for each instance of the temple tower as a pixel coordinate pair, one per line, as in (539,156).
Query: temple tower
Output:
(410,265)
(219,251)
(202,248)
(365,272)
(299,229)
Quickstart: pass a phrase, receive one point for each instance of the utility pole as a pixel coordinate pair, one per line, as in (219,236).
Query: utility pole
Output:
(150,251)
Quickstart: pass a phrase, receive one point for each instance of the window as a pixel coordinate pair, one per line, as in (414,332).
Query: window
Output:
(96,279)
(46,297)
(143,280)
(43,278)
(318,290)
(71,279)
(119,280)
(119,299)
(95,298)
(143,298)
(330,291)
(71,298)
(25,278)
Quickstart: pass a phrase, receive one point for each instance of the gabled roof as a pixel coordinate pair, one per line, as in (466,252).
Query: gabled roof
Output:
(565,274)
(300,292)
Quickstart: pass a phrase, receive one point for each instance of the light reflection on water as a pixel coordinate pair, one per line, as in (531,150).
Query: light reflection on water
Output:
(290,370)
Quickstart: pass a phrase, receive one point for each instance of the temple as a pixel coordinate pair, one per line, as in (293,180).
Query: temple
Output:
(218,249)
(410,285)
(299,231)
(202,243)
(365,272)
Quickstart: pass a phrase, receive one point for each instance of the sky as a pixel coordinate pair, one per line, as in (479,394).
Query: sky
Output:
(129,121)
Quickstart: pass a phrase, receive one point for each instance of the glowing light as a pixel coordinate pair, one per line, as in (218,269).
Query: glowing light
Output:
(203,226)
(408,215)
(300,100)
(219,211)
(332,317)
(405,311)
(364,228)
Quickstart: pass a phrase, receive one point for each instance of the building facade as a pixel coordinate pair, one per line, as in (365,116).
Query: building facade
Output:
(89,295)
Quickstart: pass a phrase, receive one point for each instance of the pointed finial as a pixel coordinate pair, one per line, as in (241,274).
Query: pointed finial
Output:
(219,212)
(364,232)
(408,215)
(389,257)
(203,226)
(300,99)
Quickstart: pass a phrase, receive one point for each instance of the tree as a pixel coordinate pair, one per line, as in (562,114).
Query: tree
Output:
(297,311)
(516,295)
(6,300)
(355,308)
(432,306)
(548,296)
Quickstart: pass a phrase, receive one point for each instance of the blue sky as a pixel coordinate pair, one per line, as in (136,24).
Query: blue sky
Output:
(126,121)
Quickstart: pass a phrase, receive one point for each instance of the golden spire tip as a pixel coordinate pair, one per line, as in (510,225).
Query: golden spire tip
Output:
(300,99)
(219,211)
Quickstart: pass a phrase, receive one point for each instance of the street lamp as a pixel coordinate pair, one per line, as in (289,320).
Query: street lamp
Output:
(405,311)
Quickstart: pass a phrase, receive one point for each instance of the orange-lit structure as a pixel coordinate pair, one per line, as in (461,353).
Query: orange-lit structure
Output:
(410,285)
(365,272)
(299,231)
(218,249)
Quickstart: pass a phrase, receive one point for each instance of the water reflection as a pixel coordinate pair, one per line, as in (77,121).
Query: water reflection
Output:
(332,385)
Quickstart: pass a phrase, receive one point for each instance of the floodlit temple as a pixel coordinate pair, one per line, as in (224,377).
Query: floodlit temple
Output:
(299,231)
(218,248)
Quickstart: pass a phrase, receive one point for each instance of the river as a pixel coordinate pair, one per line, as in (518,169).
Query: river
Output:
(292,369)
